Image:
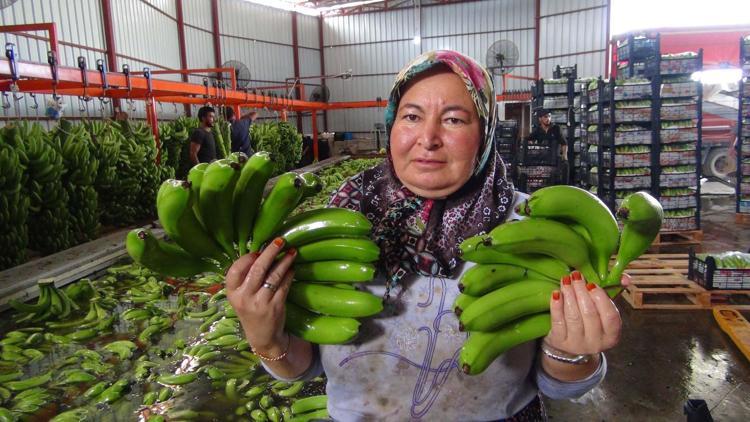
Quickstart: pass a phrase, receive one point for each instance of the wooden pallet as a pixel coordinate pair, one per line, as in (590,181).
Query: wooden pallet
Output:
(659,281)
(676,239)
(742,218)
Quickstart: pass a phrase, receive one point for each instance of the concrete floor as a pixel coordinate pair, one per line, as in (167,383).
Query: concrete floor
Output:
(667,357)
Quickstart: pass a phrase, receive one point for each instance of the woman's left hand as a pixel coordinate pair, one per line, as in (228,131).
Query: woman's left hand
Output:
(585,321)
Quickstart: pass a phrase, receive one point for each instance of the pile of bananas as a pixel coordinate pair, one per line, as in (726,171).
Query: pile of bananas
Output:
(147,172)
(79,155)
(505,297)
(729,259)
(174,138)
(120,201)
(281,140)
(219,214)
(14,203)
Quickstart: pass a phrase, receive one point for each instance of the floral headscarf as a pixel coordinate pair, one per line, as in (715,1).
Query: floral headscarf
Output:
(420,235)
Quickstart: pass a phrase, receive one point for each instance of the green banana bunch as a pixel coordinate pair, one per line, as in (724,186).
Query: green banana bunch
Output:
(547,237)
(569,203)
(52,303)
(481,349)
(14,203)
(642,215)
(284,196)
(508,303)
(247,196)
(174,205)
(163,257)
(215,202)
(322,224)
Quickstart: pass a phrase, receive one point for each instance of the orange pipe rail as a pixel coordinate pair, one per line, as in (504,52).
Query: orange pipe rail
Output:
(50,27)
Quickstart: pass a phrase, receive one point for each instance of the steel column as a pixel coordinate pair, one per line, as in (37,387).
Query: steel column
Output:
(322,72)
(215,31)
(314,116)
(109,42)
(295,53)
(537,42)
(181,41)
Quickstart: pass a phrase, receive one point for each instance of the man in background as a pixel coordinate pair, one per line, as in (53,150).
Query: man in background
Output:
(549,135)
(241,130)
(202,142)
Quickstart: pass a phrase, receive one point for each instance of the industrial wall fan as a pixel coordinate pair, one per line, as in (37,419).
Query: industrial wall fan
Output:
(320,94)
(502,57)
(241,73)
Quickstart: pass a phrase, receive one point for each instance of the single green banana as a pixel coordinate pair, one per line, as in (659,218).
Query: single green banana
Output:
(177,379)
(343,248)
(308,404)
(215,202)
(311,185)
(481,279)
(43,302)
(28,383)
(174,207)
(497,308)
(195,177)
(265,402)
(315,415)
(95,390)
(333,301)
(481,349)
(274,414)
(258,415)
(564,202)
(122,348)
(548,237)
(113,392)
(643,216)
(255,391)
(248,194)
(283,198)
(164,394)
(335,272)
(150,398)
(292,390)
(74,415)
(548,266)
(462,302)
(75,376)
(319,329)
(324,223)
(163,257)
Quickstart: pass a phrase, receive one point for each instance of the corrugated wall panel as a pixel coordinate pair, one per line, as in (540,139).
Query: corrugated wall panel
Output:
(309,63)
(393,25)
(589,65)
(244,19)
(307,31)
(199,51)
(145,34)
(462,18)
(197,13)
(78,22)
(575,32)
(267,62)
(167,6)
(548,7)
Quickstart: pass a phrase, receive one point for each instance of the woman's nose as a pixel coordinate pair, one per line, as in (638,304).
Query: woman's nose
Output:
(430,138)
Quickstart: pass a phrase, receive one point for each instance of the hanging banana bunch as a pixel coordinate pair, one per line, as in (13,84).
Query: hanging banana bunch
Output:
(14,203)
(504,299)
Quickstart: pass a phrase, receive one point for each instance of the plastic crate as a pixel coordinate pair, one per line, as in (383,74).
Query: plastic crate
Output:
(677,158)
(593,95)
(678,180)
(705,273)
(678,111)
(678,202)
(630,137)
(641,114)
(555,88)
(629,160)
(538,171)
(632,92)
(679,66)
(744,205)
(744,188)
(628,182)
(679,224)
(641,48)
(555,102)
(679,89)
(677,135)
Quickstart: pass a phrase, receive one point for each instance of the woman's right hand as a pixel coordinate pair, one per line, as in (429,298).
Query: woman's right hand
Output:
(257,286)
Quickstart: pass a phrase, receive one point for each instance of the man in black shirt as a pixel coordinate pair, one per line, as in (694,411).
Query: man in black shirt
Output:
(549,133)
(202,142)
(241,131)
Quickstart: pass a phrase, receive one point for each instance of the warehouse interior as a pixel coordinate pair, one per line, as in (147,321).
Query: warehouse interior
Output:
(101,103)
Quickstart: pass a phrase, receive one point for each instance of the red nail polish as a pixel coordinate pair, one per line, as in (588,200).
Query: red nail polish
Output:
(576,275)
(278,242)
(591,286)
(254,255)
(555,295)
(566,280)
(292,252)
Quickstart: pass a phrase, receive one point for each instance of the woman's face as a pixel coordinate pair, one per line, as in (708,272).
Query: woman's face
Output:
(435,137)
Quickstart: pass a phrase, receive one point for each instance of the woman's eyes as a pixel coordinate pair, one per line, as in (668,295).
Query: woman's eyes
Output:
(449,120)
(454,120)
(411,117)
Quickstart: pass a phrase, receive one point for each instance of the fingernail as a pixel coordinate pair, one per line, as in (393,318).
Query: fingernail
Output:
(591,286)
(576,275)
(278,242)
(556,295)
(566,280)
(254,255)
(292,252)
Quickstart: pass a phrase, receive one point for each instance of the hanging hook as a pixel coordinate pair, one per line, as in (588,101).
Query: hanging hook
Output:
(6,100)
(52,61)
(34,106)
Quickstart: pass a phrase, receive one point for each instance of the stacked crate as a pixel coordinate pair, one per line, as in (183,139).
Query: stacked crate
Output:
(625,138)
(632,53)
(679,114)
(506,142)
(743,132)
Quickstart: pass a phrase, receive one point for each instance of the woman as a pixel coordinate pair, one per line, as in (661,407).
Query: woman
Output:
(443,182)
